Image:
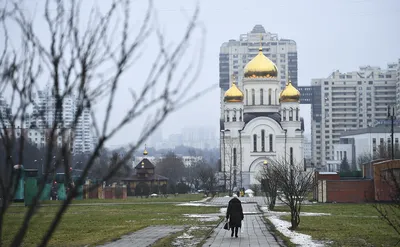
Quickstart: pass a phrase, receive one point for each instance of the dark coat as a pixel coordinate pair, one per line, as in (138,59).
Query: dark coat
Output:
(235,213)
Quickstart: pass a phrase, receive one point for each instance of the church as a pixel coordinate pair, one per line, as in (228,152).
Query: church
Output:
(260,124)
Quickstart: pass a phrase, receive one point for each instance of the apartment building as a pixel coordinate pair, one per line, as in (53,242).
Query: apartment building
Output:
(5,112)
(349,101)
(235,54)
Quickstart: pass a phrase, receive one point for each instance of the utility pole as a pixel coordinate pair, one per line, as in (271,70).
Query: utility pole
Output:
(392,116)
(223,160)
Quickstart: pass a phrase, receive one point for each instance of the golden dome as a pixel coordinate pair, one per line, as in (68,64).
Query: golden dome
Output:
(260,67)
(145,151)
(233,94)
(289,94)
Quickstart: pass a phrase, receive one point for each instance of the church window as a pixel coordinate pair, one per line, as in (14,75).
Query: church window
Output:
(291,114)
(297,114)
(227,116)
(284,114)
(234,157)
(253,96)
(271,142)
(247,97)
(240,116)
(254,143)
(276,96)
(269,96)
(263,140)
(291,156)
(261,96)
(234,115)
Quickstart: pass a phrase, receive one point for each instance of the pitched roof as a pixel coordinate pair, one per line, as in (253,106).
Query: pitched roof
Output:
(147,164)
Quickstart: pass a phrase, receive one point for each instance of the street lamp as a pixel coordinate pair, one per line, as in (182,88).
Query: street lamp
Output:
(391,115)
(223,154)
(265,162)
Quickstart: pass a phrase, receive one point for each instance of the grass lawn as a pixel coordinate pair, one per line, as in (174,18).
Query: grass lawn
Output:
(95,224)
(170,198)
(348,225)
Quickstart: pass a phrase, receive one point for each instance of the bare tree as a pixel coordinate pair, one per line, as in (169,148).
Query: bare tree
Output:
(294,184)
(231,161)
(172,167)
(269,185)
(207,176)
(86,61)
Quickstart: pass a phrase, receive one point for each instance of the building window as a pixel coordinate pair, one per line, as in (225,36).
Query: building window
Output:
(263,140)
(240,116)
(247,97)
(271,142)
(269,96)
(291,114)
(254,143)
(234,157)
(253,96)
(234,115)
(297,114)
(276,96)
(261,96)
(284,114)
(227,116)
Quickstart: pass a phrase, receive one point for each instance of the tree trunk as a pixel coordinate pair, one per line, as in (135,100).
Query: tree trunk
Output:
(295,219)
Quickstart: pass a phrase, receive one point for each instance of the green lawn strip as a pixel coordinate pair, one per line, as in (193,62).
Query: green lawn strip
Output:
(170,198)
(98,224)
(348,225)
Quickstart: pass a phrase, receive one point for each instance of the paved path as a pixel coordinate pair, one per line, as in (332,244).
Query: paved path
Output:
(144,237)
(260,200)
(254,232)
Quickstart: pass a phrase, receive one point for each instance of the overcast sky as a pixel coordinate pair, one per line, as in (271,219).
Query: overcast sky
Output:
(330,35)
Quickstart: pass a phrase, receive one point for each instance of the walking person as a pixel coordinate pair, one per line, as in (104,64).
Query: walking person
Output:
(235,215)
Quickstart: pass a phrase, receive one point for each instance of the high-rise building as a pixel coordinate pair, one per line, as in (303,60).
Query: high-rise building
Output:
(235,54)
(345,101)
(5,112)
(44,114)
(398,90)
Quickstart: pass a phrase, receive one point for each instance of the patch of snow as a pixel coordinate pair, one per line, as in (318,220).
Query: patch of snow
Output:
(295,237)
(185,236)
(203,200)
(266,210)
(314,214)
(204,218)
(223,210)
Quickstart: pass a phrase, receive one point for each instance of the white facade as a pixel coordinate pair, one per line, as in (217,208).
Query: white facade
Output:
(350,101)
(259,130)
(364,142)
